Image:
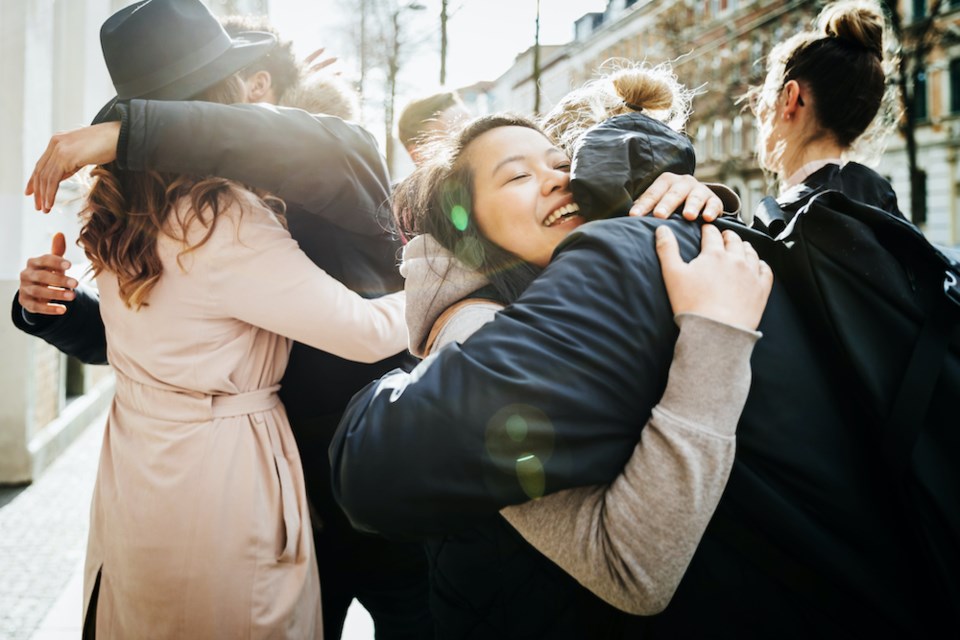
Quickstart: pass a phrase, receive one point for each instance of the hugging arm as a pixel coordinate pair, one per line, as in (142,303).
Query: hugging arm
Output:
(79,332)
(551,394)
(631,542)
(323,164)
(305,304)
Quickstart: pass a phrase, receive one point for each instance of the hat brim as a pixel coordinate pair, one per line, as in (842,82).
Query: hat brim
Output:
(247,47)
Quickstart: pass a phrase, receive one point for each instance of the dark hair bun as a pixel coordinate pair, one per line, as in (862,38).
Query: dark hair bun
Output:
(859,23)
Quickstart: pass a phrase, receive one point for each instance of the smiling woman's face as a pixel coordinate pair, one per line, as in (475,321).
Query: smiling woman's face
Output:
(522,201)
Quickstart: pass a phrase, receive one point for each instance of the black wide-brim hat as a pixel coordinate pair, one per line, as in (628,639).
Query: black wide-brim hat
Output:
(172,50)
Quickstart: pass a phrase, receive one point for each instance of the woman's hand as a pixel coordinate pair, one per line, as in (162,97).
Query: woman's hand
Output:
(670,190)
(727,282)
(66,154)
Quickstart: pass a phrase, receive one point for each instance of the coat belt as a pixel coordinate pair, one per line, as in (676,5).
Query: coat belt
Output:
(191,406)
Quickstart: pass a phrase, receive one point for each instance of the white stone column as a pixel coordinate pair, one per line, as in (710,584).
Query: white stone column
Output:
(54,79)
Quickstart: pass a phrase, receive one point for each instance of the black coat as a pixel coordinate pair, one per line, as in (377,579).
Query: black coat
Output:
(581,358)
(854,180)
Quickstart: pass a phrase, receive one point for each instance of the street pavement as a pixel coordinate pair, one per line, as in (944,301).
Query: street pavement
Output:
(43,537)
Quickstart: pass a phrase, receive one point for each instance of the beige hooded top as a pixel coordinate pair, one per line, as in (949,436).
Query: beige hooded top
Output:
(629,542)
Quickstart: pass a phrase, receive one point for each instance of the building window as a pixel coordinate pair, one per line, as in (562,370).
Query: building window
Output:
(955,85)
(736,137)
(751,127)
(76,378)
(718,139)
(701,146)
(756,60)
(629,3)
(718,7)
(919,9)
(920,113)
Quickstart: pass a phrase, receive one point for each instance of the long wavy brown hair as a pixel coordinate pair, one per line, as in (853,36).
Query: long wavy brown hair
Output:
(127,211)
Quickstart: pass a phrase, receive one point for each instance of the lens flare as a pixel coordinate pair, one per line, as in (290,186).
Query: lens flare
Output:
(519,442)
(459,217)
(516,428)
(531,476)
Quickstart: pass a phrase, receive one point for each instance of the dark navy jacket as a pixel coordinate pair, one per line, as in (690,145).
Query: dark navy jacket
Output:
(579,361)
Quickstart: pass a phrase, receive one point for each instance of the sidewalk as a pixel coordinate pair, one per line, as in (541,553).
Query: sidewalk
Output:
(43,536)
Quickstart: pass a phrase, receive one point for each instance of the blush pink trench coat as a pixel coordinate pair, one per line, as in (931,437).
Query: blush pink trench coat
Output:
(199,521)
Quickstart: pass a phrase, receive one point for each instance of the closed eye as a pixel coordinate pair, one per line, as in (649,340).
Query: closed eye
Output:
(517,177)
(564,166)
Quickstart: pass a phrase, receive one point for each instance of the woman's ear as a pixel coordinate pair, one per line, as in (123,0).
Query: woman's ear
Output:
(790,99)
(259,87)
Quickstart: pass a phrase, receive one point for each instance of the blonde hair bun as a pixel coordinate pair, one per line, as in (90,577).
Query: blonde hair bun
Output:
(627,88)
(644,89)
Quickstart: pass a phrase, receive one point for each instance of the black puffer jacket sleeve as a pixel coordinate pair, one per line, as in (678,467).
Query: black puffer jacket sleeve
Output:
(78,333)
(551,394)
(323,164)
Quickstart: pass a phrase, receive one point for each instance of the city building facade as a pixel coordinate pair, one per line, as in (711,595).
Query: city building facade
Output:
(719,48)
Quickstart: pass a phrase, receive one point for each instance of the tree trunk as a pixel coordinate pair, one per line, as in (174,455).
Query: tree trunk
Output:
(443,43)
(916,41)
(392,72)
(536,64)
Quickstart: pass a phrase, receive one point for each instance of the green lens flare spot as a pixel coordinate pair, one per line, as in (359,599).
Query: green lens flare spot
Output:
(459,217)
(531,476)
(516,428)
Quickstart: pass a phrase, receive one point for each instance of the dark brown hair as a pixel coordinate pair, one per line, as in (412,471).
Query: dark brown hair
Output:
(437,198)
(841,64)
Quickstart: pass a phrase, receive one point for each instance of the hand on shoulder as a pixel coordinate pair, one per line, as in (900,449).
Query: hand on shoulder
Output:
(727,282)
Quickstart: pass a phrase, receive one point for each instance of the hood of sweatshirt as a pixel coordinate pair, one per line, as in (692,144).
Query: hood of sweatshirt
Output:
(434,280)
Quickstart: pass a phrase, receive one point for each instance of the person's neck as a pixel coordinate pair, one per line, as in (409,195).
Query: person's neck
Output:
(813,154)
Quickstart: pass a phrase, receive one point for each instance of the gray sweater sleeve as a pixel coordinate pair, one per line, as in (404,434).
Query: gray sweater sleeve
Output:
(631,542)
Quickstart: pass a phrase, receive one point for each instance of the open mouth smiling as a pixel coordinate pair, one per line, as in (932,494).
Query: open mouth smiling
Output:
(562,214)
